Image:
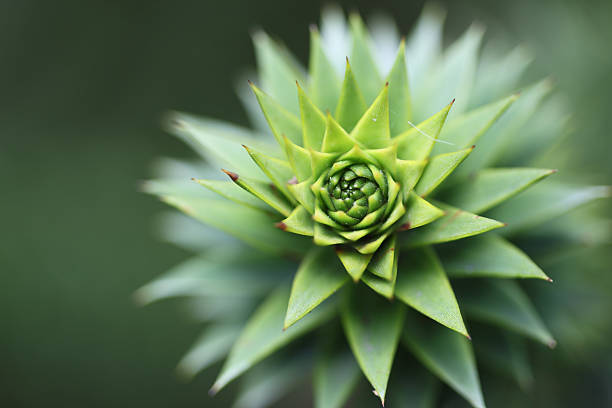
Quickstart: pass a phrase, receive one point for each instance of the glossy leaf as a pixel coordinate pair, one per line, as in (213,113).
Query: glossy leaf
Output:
(446,354)
(438,169)
(373,326)
(455,224)
(490,187)
(318,277)
(335,376)
(263,335)
(503,303)
(423,285)
(488,255)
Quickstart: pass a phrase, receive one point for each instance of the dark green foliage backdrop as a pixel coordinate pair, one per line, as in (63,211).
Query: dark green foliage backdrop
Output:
(82,88)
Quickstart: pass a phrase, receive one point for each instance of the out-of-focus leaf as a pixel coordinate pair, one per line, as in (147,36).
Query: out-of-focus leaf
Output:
(324,86)
(490,187)
(216,273)
(455,224)
(264,191)
(185,232)
(271,380)
(362,59)
(233,192)
(445,353)
(278,71)
(544,202)
(210,347)
(415,388)
(423,285)
(438,169)
(318,277)
(278,171)
(503,303)
(373,326)
(488,255)
(335,376)
(282,122)
(264,334)
(254,227)
(219,143)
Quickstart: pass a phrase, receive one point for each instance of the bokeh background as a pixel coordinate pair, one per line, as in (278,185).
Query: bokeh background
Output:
(83,86)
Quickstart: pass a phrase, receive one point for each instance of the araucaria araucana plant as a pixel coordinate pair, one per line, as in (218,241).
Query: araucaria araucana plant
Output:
(383,153)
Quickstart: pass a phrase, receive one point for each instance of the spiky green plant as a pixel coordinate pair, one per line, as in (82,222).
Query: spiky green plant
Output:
(373,174)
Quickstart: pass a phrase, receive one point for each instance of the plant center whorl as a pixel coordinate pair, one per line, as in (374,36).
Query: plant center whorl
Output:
(355,192)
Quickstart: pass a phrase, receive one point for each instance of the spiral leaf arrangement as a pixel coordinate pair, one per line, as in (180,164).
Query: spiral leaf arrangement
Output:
(364,195)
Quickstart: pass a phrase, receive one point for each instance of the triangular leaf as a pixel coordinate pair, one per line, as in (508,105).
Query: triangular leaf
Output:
(313,122)
(399,93)
(351,104)
(488,255)
(318,277)
(298,222)
(423,285)
(419,212)
(266,192)
(438,169)
(354,262)
(455,224)
(281,121)
(373,326)
(382,262)
(278,171)
(233,192)
(336,140)
(372,130)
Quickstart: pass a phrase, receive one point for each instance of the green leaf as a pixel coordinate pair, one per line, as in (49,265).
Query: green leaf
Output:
(488,255)
(232,192)
(372,130)
(336,140)
(452,76)
(455,224)
(423,285)
(438,169)
(324,87)
(277,70)
(490,187)
(382,262)
(299,158)
(419,212)
(354,262)
(254,227)
(210,347)
(417,142)
(381,286)
(270,381)
(278,171)
(415,388)
(362,59)
(465,130)
(335,376)
(373,326)
(409,173)
(217,273)
(324,235)
(263,334)
(351,105)
(503,303)
(445,353)
(299,222)
(281,121)
(313,122)
(220,144)
(318,277)
(399,93)
(544,202)
(265,192)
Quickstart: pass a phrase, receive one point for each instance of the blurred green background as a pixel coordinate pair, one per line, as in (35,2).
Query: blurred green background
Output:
(83,86)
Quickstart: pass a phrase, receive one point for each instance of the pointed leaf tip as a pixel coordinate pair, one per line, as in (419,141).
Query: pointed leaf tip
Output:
(231,174)
(281,226)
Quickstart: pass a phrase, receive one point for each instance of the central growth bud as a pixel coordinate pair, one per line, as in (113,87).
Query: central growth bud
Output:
(355,195)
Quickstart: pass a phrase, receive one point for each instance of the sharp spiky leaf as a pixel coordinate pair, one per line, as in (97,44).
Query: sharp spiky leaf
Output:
(488,255)
(351,104)
(266,192)
(382,263)
(281,121)
(373,327)
(318,277)
(354,262)
(399,94)
(438,169)
(277,170)
(233,192)
(423,285)
(372,130)
(313,122)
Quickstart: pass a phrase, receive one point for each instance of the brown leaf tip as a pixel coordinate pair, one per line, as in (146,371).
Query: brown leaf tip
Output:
(281,225)
(292,180)
(468,337)
(231,174)
(548,279)
(405,226)
(473,147)
(387,83)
